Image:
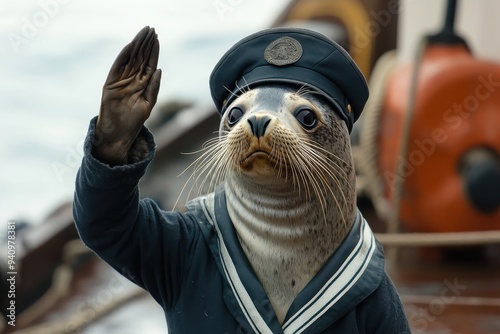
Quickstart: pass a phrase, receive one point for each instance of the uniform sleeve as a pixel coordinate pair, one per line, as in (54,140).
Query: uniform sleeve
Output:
(147,245)
(383,311)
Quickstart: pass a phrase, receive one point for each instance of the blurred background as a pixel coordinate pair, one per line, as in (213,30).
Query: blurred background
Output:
(426,149)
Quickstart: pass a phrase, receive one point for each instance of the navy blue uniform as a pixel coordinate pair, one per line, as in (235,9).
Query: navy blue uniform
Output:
(194,267)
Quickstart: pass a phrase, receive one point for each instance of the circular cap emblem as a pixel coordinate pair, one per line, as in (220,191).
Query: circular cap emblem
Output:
(283,51)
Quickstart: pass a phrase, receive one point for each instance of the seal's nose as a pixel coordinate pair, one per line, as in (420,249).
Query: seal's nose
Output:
(258,124)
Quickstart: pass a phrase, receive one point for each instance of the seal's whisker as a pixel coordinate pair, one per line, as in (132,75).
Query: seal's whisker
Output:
(328,165)
(208,167)
(316,186)
(318,179)
(243,89)
(289,149)
(215,172)
(221,171)
(205,163)
(293,170)
(195,164)
(279,156)
(296,178)
(226,162)
(334,176)
(322,188)
(220,135)
(302,171)
(307,90)
(240,89)
(320,171)
(278,165)
(203,173)
(315,145)
(231,92)
(322,163)
(327,162)
(302,168)
(212,149)
(312,169)
(330,190)
(300,91)
(285,156)
(247,86)
(216,149)
(208,147)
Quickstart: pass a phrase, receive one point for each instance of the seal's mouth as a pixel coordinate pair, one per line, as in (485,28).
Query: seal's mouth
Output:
(255,155)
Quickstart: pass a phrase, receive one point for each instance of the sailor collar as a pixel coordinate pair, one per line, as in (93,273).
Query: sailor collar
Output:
(351,274)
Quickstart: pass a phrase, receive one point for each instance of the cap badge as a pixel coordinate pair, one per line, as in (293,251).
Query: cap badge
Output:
(283,51)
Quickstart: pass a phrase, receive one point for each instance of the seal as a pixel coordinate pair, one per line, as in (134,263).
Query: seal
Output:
(285,161)
(278,246)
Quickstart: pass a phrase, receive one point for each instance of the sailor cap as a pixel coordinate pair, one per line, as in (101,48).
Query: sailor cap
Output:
(291,56)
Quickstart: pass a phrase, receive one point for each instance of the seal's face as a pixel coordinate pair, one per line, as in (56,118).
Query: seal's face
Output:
(275,133)
(265,130)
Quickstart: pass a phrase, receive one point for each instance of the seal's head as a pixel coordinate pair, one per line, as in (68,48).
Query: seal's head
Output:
(288,99)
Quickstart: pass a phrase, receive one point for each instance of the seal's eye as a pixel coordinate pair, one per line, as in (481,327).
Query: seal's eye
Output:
(234,116)
(306,117)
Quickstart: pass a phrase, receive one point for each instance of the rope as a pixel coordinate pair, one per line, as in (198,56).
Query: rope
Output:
(457,300)
(394,223)
(366,155)
(447,239)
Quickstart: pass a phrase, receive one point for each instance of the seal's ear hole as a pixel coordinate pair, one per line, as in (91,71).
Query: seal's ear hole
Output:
(234,115)
(306,117)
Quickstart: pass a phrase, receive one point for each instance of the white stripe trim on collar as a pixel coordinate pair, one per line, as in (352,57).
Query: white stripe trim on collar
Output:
(337,286)
(251,313)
